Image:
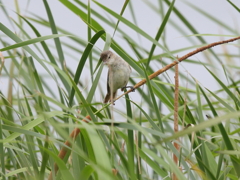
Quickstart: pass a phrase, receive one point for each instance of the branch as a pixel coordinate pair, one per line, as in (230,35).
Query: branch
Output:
(160,71)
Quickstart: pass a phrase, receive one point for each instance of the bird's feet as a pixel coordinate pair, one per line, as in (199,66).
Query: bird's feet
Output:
(132,88)
(113,103)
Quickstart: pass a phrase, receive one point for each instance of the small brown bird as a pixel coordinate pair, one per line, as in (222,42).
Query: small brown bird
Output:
(118,74)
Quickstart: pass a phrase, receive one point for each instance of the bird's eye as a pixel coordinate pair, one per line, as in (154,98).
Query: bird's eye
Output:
(109,57)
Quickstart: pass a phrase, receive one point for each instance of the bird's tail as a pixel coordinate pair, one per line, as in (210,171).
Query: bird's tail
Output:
(108,97)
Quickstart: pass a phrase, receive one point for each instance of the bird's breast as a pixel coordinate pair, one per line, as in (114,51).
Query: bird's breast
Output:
(120,76)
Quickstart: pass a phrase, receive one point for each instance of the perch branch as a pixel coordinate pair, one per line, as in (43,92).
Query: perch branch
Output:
(160,71)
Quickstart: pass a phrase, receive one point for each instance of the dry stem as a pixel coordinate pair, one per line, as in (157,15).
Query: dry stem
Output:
(176,145)
(160,71)
(64,150)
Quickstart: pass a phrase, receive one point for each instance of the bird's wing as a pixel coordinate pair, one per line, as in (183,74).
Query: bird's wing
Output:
(107,97)
(108,87)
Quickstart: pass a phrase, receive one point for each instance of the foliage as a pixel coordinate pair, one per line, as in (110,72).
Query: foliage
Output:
(46,99)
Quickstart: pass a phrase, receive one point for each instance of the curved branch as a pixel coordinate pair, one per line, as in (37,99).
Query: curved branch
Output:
(160,71)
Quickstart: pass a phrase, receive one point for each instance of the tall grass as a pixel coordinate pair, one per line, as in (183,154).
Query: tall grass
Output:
(43,100)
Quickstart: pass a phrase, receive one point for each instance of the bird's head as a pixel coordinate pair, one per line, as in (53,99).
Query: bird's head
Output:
(108,57)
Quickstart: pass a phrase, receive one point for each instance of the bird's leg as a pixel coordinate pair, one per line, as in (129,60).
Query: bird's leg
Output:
(113,102)
(125,87)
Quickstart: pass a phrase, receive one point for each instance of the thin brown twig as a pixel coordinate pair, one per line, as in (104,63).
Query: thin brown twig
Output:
(64,149)
(176,95)
(160,71)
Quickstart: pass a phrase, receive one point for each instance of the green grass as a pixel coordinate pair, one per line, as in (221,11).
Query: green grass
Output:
(45,99)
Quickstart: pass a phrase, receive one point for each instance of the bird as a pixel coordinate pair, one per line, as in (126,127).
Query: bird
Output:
(118,74)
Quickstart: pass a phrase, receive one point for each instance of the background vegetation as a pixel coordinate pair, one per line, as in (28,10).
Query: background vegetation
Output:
(46,99)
